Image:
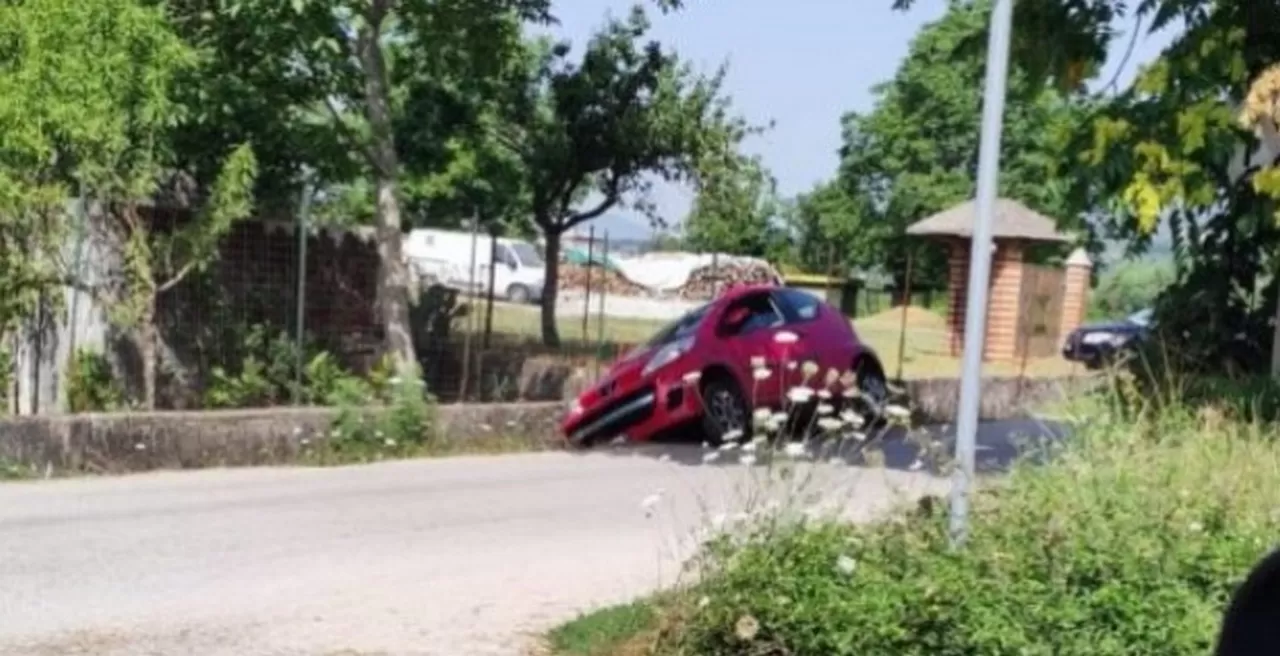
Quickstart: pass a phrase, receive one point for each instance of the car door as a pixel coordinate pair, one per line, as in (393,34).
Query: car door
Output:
(748,330)
(820,336)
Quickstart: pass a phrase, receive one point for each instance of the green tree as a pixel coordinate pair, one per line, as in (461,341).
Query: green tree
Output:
(590,135)
(390,78)
(831,227)
(916,152)
(737,208)
(87,108)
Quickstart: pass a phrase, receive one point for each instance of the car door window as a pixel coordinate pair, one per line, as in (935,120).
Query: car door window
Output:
(759,312)
(800,306)
(505,258)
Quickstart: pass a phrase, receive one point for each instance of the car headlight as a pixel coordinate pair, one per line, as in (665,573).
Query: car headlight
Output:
(667,354)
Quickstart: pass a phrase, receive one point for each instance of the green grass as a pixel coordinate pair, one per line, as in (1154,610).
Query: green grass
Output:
(1130,541)
(612,631)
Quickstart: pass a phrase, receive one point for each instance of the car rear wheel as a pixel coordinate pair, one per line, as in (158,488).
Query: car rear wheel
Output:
(518,294)
(873,390)
(726,413)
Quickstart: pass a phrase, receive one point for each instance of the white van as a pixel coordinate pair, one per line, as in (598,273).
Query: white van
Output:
(444,256)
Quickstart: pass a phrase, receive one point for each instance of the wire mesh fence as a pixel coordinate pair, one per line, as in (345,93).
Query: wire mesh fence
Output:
(281,304)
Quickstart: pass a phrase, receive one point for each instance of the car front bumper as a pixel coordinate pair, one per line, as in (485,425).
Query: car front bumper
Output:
(639,414)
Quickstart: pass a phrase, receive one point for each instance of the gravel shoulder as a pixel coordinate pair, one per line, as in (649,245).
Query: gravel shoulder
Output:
(468,555)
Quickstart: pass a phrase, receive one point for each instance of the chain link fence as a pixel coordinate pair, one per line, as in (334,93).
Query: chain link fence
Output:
(282,306)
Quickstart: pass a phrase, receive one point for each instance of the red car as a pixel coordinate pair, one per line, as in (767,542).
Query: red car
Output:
(700,368)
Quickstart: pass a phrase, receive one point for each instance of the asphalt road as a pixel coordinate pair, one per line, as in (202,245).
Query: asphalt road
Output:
(469,556)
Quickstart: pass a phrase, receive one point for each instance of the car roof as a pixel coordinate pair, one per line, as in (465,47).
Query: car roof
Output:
(737,291)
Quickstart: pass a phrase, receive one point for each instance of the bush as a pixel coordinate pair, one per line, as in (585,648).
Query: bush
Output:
(1130,543)
(268,374)
(382,417)
(91,384)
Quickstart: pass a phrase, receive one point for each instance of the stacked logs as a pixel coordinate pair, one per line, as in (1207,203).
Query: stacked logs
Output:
(704,283)
(574,278)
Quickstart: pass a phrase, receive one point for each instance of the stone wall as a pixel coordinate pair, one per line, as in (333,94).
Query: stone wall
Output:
(114,443)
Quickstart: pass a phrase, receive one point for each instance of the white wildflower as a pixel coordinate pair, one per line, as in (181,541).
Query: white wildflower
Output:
(824,394)
(825,408)
(830,424)
(786,337)
(800,394)
(917,465)
(297,430)
(140,447)
(486,427)
(1196,527)
(795,450)
(711,456)
(704,602)
(810,368)
(852,418)
(618,441)
(897,412)
(728,446)
(747,459)
(394,380)
(757,362)
(761,416)
(857,436)
(735,434)
(761,373)
(666,457)
(749,447)
(389,442)
(845,565)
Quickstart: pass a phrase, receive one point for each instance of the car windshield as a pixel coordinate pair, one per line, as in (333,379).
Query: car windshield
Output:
(1141,317)
(529,256)
(682,327)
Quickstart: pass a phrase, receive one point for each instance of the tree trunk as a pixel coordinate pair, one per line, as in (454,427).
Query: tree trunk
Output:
(147,350)
(551,289)
(393,275)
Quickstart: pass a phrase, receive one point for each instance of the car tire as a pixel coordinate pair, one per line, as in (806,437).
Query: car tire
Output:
(725,410)
(873,389)
(519,294)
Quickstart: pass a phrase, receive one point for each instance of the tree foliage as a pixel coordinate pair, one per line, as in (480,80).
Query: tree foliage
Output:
(88,109)
(916,152)
(737,209)
(590,135)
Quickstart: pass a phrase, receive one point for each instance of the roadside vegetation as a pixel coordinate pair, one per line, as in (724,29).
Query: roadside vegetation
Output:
(1129,541)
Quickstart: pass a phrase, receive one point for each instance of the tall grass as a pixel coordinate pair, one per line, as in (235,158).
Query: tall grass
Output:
(1129,541)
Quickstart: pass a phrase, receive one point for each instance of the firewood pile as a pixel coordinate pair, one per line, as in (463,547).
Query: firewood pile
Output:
(574,278)
(705,282)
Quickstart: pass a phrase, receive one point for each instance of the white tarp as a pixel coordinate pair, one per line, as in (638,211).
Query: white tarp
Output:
(667,272)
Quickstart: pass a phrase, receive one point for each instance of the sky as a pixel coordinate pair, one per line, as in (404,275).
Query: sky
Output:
(800,64)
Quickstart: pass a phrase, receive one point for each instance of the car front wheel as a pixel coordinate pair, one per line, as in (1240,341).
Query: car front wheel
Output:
(726,413)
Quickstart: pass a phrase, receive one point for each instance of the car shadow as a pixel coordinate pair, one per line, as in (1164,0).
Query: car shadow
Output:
(999,445)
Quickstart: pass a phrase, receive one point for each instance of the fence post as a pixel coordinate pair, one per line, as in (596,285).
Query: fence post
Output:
(488,303)
(471,290)
(304,218)
(906,306)
(586,301)
(604,290)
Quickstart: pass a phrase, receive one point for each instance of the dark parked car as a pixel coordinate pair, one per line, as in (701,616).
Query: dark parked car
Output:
(1096,345)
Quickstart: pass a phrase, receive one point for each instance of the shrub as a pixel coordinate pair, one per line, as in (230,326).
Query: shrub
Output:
(268,374)
(91,384)
(1129,543)
(381,417)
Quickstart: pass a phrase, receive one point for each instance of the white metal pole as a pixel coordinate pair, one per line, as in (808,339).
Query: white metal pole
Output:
(975,325)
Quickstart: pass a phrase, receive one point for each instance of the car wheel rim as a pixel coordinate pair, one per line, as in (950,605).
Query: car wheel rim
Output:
(874,389)
(726,411)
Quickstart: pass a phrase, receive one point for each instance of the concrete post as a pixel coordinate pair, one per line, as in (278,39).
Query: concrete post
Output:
(1075,293)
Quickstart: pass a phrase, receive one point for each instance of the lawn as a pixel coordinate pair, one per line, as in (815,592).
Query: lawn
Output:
(925,351)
